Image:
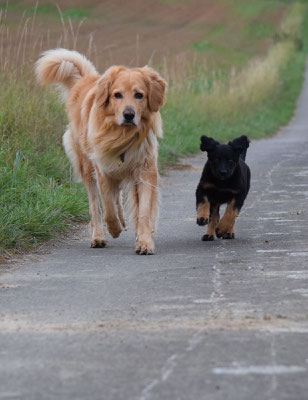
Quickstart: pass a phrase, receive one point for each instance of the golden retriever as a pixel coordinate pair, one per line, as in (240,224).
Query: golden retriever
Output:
(111,139)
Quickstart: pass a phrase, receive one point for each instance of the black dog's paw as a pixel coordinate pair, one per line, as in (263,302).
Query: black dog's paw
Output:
(228,236)
(218,234)
(207,238)
(202,221)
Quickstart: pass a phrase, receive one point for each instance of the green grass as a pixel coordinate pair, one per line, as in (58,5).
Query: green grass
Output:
(202,45)
(255,8)
(49,9)
(37,196)
(205,43)
(258,30)
(223,114)
(251,8)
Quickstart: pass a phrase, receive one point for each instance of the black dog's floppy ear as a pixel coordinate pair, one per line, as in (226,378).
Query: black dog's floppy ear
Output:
(240,145)
(208,144)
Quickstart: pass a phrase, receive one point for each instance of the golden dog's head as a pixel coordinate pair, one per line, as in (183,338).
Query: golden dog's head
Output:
(129,96)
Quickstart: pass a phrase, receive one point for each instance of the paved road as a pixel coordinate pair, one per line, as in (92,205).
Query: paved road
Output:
(199,320)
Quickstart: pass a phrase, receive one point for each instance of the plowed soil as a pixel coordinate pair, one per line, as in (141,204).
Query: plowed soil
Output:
(140,32)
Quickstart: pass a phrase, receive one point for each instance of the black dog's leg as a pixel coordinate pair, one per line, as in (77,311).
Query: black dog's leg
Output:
(203,206)
(214,219)
(229,235)
(225,228)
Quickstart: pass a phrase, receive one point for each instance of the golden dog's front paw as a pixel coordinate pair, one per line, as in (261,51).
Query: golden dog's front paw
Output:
(114,227)
(145,247)
(98,243)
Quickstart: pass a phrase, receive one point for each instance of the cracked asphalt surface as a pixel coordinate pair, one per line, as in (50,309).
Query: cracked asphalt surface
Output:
(199,320)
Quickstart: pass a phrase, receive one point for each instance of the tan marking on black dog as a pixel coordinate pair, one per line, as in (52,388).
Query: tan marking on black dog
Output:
(209,186)
(203,212)
(212,186)
(226,223)
(214,219)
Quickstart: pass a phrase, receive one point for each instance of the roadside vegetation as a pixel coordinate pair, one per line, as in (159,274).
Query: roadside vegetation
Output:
(220,88)
(255,99)
(37,196)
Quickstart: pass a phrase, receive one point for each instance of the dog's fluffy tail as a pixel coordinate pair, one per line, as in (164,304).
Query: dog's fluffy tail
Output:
(63,67)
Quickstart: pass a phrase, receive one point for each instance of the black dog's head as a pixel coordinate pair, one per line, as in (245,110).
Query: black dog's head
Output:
(223,158)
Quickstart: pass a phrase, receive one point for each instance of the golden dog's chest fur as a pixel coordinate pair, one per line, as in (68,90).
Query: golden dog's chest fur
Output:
(114,122)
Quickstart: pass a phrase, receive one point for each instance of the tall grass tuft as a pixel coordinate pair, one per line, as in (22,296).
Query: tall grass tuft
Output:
(37,196)
(249,88)
(291,27)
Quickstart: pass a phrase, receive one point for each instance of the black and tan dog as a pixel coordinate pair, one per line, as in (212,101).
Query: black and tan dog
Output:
(225,179)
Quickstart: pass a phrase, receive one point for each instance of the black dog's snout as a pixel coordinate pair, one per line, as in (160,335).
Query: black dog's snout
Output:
(129,114)
(222,171)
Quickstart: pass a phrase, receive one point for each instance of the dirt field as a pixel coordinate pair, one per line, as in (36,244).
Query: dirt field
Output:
(157,32)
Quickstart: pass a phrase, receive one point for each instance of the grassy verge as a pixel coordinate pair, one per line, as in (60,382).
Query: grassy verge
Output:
(38,198)
(255,101)
(48,9)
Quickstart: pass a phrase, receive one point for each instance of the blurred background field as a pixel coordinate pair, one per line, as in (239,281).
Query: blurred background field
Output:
(233,67)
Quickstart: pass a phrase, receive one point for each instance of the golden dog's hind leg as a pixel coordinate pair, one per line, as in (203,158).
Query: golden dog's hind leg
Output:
(83,166)
(225,228)
(146,197)
(109,191)
(154,210)
(120,210)
(98,235)
(214,219)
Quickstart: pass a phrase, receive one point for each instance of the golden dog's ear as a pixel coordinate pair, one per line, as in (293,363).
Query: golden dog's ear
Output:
(104,84)
(157,89)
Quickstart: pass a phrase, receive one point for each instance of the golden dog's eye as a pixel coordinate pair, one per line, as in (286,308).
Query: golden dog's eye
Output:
(118,95)
(138,95)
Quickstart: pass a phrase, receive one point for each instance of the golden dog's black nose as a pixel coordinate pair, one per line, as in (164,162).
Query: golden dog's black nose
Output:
(128,114)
